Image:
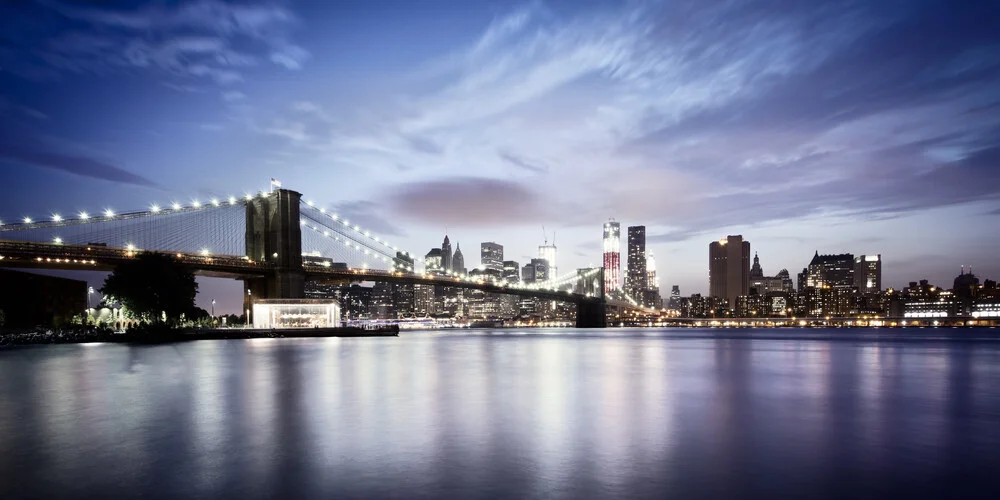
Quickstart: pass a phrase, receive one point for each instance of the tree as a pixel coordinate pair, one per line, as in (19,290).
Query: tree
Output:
(151,285)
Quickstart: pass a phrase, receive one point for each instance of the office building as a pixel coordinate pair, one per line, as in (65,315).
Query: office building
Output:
(729,269)
(491,255)
(511,270)
(635,274)
(458,261)
(834,271)
(446,255)
(612,256)
(868,273)
(433,263)
(548,252)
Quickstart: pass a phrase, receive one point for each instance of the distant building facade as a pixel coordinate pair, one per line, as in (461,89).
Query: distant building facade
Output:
(612,256)
(491,255)
(635,271)
(729,269)
(868,273)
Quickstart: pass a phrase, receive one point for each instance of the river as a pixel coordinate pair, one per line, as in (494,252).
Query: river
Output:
(621,413)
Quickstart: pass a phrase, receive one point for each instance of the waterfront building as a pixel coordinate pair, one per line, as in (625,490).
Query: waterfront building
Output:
(511,270)
(835,271)
(868,273)
(729,269)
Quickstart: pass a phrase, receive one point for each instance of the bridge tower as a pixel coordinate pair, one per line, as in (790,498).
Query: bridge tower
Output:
(591,311)
(274,236)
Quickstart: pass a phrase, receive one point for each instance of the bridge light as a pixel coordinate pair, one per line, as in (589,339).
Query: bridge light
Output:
(109,213)
(322,210)
(84,216)
(130,247)
(204,252)
(333,216)
(176,206)
(196,204)
(56,218)
(57,240)
(346,222)
(27,220)
(155,209)
(232,200)
(357,228)
(309,202)
(215,202)
(248,197)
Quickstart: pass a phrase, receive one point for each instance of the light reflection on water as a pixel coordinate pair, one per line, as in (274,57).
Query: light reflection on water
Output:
(556,414)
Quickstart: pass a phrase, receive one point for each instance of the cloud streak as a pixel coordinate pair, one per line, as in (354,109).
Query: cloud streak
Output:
(73,164)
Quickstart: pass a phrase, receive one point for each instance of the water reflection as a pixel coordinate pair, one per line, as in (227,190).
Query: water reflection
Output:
(507,414)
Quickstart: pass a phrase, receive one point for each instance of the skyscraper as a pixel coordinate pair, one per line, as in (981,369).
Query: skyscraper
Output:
(540,269)
(729,268)
(868,273)
(446,254)
(548,252)
(834,271)
(612,256)
(635,276)
(491,255)
(432,261)
(652,281)
(458,261)
(510,271)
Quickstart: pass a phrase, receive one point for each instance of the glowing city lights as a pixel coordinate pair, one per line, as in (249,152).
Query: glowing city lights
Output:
(56,218)
(83,216)
(155,209)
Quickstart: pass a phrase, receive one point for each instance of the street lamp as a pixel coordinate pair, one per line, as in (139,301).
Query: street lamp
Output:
(90,291)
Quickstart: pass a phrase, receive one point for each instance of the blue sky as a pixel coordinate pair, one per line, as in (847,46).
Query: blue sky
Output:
(864,127)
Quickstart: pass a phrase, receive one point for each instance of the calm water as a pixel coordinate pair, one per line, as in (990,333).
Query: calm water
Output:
(534,414)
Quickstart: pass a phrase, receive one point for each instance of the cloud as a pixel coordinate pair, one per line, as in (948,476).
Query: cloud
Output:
(467,202)
(523,163)
(233,96)
(73,164)
(295,131)
(202,39)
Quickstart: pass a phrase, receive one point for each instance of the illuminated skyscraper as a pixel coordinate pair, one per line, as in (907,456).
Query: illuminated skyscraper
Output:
(635,276)
(652,282)
(868,273)
(612,256)
(491,255)
(729,268)
(548,252)
(834,271)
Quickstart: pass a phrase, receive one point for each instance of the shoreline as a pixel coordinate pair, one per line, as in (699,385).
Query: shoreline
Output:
(186,335)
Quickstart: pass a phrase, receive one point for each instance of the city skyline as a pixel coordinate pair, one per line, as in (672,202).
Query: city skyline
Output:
(420,120)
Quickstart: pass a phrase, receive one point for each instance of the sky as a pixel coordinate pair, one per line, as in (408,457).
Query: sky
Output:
(830,126)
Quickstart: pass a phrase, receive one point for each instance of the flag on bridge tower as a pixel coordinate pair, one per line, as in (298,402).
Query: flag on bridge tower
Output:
(275,183)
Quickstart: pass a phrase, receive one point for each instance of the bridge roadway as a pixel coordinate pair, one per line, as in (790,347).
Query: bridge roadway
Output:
(19,254)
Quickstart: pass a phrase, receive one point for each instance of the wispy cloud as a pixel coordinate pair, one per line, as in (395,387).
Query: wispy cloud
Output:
(74,164)
(207,39)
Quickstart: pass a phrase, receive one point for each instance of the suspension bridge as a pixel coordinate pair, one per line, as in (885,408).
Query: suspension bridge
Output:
(273,241)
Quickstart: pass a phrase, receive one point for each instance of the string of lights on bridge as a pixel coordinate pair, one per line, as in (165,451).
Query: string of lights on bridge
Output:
(108,214)
(357,229)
